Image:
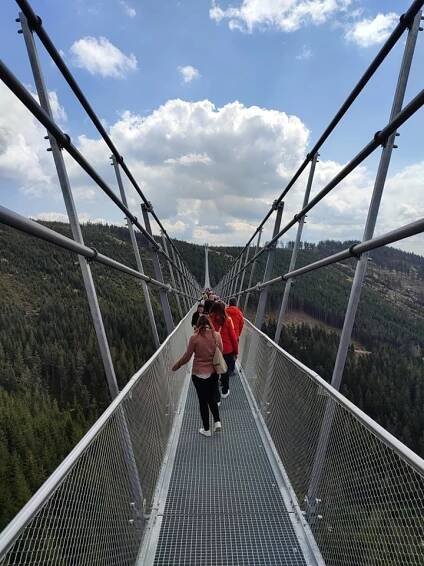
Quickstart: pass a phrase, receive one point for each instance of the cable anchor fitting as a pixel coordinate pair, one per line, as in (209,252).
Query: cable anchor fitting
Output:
(353,252)
(95,255)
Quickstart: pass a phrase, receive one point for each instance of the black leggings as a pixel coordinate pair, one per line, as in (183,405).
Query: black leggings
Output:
(207,393)
(230,360)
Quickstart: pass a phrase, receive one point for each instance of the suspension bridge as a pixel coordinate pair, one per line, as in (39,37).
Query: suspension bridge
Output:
(299,475)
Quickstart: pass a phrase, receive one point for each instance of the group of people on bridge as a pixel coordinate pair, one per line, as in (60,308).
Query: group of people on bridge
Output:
(214,343)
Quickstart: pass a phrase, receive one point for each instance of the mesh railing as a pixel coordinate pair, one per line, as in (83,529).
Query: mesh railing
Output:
(93,509)
(368,501)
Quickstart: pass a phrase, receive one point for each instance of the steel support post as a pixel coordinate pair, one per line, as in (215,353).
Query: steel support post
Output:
(175,259)
(163,295)
(207,278)
(71,210)
(189,283)
(224,283)
(263,297)
(240,289)
(85,268)
(171,271)
(234,285)
(252,271)
(230,281)
(293,258)
(139,263)
(360,271)
(185,284)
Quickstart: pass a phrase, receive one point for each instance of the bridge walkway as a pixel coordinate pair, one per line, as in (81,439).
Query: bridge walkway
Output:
(224,505)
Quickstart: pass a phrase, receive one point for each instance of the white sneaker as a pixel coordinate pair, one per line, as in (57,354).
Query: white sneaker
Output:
(217,427)
(225,395)
(205,432)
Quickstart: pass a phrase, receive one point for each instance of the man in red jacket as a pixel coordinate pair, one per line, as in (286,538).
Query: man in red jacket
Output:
(236,316)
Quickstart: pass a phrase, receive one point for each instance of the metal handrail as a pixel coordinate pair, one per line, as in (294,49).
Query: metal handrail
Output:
(354,251)
(42,495)
(36,25)
(377,430)
(64,142)
(33,228)
(405,21)
(379,139)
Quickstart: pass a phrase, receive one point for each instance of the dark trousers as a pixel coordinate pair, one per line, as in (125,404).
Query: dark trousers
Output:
(207,392)
(230,360)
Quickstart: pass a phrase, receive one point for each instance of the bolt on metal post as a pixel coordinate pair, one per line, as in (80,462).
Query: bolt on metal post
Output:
(172,274)
(139,263)
(295,250)
(252,271)
(358,280)
(85,268)
(169,322)
(263,297)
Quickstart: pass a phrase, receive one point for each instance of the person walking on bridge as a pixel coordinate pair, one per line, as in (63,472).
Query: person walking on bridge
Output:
(236,315)
(203,344)
(223,324)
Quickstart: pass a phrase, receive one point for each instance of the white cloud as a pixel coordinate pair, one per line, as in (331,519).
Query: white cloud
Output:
(211,173)
(100,57)
(286,15)
(304,54)
(23,156)
(129,11)
(189,73)
(368,32)
(59,113)
(189,159)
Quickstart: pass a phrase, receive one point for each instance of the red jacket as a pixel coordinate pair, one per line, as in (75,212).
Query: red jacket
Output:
(228,335)
(237,318)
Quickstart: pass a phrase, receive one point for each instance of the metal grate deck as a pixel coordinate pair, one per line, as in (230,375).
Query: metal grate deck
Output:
(224,507)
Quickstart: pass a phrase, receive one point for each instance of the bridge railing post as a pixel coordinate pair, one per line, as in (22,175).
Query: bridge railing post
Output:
(263,297)
(358,280)
(87,276)
(138,260)
(184,283)
(234,283)
(240,289)
(172,274)
(166,309)
(207,277)
(252,271)
(225,289)
(289,282)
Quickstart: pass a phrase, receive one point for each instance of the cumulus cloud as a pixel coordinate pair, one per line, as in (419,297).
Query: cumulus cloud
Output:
(99,56)
(368,32)
(211,173)
(286,15)
(128,10)
(23,156)
(189,73)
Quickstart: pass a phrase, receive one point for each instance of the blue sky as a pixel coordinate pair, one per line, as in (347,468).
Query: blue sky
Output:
(212,166)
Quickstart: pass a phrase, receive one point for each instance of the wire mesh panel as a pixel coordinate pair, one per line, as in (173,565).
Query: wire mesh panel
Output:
(95,513)
(369,497)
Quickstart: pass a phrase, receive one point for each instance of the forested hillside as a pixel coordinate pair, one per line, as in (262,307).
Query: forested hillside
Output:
(52,385)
